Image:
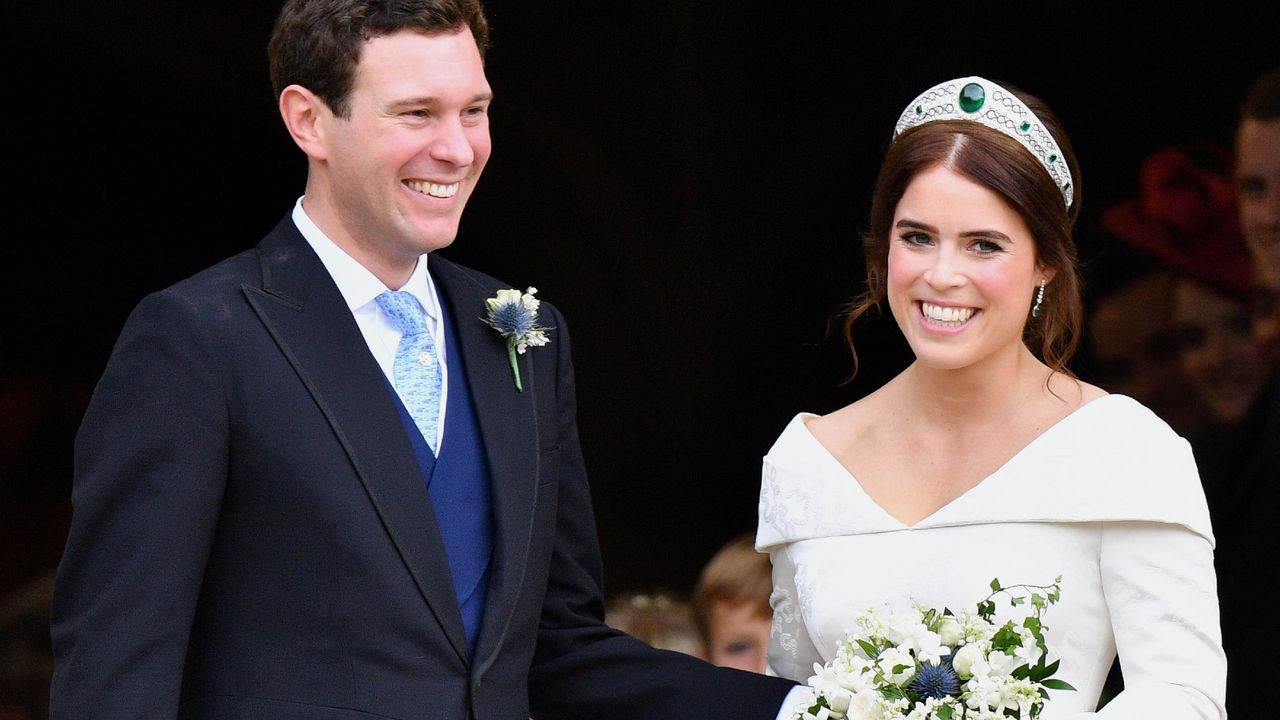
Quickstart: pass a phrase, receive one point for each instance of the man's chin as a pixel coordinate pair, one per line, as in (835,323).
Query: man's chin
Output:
(435,238)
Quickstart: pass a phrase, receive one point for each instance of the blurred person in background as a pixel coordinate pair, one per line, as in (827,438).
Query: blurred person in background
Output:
(662,621)
(1249,463)
(1213,337)
(731,606)
(1258,176)
(1132,352)
(1184,219)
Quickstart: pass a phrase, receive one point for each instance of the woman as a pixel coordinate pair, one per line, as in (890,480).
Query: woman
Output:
(985,457)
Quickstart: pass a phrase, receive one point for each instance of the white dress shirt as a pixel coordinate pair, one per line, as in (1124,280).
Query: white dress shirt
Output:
(360,289)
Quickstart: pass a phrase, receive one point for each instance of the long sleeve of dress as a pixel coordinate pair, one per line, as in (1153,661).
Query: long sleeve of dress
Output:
(791,649)
(1159,584)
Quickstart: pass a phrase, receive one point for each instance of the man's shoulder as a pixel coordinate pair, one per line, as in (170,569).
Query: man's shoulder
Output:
(228,274)
(231,274)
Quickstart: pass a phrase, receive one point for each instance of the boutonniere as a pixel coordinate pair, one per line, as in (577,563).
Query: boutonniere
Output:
(515,316)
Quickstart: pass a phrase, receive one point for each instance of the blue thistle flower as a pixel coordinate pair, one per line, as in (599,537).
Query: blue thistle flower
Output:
(515,316)
(510,318)
(936,681)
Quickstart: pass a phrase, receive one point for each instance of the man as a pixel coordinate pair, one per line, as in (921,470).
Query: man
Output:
(300,494)
(1258,176)
(1245,482)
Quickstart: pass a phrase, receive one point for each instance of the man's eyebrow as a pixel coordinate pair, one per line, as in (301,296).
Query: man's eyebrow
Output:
(429,100)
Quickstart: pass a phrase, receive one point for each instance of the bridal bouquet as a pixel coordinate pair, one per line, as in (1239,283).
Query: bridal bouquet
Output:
(925,664)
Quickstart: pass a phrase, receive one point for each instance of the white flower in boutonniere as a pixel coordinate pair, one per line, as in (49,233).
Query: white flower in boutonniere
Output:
(515,316)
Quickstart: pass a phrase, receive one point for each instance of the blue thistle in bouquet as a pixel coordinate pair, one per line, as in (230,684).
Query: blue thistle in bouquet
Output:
(920,663)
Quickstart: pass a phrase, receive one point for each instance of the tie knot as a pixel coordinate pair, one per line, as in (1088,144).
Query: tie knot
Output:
(404,310)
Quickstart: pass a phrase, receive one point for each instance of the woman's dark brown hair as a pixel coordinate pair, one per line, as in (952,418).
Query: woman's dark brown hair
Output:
(1001,164)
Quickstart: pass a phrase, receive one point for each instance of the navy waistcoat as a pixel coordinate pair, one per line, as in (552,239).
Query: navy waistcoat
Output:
(459,485)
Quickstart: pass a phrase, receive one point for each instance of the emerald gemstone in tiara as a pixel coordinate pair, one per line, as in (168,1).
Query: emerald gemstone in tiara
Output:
(963,98)
(972,97)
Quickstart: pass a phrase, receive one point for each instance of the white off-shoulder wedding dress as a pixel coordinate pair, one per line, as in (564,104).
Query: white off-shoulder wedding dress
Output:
(1108,498)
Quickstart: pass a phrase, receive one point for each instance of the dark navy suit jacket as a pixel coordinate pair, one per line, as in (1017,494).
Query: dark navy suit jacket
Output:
(252,537)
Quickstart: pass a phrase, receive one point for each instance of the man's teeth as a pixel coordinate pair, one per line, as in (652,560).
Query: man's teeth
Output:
(434,189)
(949,316)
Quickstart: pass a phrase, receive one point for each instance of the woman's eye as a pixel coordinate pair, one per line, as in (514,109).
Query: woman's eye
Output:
(986,247)
(915,238)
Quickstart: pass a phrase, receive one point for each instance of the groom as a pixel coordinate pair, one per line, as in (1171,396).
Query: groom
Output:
(309,486)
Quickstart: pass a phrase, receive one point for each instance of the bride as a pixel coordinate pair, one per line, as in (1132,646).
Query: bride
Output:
(986,457)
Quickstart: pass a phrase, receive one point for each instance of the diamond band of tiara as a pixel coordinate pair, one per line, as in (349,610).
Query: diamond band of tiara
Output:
(982,101)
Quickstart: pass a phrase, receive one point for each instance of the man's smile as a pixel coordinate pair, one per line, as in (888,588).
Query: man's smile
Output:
(433,189)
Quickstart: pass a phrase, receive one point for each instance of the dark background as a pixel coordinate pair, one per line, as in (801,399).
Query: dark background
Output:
(686,181)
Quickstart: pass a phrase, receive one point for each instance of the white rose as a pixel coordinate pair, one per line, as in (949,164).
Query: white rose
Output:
(963,659)
(866,705)
(901,624)
(950,630)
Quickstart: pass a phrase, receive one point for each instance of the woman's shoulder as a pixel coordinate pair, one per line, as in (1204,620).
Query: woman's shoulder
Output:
(854,420)
(805,492)
(1109,412)
(1112,458)
(1121,422)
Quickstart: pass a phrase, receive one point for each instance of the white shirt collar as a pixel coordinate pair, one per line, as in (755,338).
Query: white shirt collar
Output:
(358,286)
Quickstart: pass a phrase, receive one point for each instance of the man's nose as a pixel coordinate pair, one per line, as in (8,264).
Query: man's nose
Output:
(452,145)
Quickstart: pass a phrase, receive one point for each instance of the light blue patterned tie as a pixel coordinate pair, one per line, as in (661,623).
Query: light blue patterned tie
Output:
(417,368)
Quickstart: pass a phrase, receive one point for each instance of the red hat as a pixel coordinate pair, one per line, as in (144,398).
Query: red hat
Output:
(1186,216)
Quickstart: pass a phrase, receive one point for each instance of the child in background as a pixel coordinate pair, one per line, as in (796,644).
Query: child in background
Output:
(731,606)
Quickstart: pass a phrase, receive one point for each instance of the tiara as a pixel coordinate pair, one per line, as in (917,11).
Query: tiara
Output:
(982,101)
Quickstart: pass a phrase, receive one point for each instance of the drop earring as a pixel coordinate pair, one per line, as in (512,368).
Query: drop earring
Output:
(1036,310)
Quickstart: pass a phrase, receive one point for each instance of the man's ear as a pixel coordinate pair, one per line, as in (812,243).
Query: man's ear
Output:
(307,118)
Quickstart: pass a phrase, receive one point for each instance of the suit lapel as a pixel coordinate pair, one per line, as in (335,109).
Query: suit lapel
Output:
(508,426)
(305,313)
